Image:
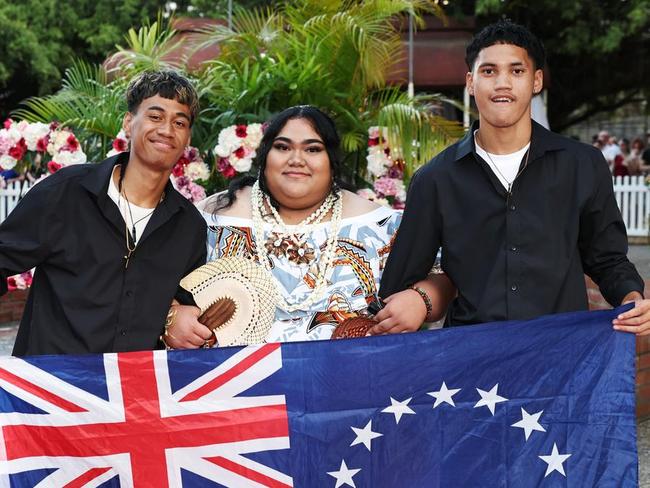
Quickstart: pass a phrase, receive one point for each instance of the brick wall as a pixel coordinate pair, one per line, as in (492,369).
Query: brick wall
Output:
(597,302)
(12,305)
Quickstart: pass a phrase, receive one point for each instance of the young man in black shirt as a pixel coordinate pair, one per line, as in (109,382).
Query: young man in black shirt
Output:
(520,213)
(110,241)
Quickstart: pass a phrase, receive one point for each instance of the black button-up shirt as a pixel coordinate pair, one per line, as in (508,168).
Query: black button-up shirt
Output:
(83,299)
(521,255)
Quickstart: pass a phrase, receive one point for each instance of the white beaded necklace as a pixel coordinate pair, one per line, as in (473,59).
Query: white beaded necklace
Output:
(327,256)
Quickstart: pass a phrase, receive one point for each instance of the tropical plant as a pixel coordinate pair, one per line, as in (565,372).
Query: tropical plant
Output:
(335,54)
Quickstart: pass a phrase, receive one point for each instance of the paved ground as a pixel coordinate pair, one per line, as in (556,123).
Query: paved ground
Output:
(639,255)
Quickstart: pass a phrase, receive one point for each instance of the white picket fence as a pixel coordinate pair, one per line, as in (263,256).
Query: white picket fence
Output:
(10,196)
(632,195)
(633,198)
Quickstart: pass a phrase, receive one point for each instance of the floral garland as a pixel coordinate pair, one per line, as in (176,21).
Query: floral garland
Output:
(386,172)
(26,146)
(189,169)
(236,148)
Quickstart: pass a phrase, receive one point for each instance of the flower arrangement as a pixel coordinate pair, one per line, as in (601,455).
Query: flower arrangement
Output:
(25,146)
(386,171)
(189,169)
(236,148)
(20,281)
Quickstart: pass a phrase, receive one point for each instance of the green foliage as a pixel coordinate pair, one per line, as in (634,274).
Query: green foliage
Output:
(334,54)
(597,50)
(43,37)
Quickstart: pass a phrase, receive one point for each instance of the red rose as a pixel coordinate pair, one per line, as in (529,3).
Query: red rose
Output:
(387,151)
(240,153)
(53,166)
(72,143)
(54,125)
(373,142)
(183,161)
(225,168)
(41,144)
(18,151)
(11,284)
(120,145)
(8,123)
(240,131)
(178,170)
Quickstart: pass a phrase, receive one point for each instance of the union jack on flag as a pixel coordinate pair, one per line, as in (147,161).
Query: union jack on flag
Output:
(137,423)
(544,403)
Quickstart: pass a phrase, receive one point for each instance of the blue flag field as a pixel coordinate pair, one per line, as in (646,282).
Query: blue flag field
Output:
(547,403)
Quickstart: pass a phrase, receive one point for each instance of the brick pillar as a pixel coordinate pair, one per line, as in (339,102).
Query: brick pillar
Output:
(12,305)
(597,302)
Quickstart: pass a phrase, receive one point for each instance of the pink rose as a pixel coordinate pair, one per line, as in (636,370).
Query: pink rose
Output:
(225,168)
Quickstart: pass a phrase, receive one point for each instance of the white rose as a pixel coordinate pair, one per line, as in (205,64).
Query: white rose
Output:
(197,171)
(254,135)
(33,133)
(7,162)
(222,151)
(242,165)
(67,158)
(377,163)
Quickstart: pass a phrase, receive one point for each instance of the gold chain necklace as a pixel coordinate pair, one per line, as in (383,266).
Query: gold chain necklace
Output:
(494,165)
(130,249)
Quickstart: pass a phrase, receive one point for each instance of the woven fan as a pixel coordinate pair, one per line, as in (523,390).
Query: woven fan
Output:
(237,299)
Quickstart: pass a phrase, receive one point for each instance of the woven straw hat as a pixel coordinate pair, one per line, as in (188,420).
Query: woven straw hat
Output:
(237,299)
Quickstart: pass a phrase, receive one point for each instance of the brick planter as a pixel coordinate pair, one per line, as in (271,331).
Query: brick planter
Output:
(597,302)
(12,305)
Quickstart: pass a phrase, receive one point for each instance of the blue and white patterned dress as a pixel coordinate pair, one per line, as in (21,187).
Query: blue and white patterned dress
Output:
(362,248)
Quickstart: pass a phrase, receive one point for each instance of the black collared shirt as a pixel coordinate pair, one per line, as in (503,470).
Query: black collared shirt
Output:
(514,256)
(83,299)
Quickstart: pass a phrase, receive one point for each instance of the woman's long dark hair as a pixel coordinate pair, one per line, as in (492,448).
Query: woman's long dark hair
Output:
(324,127)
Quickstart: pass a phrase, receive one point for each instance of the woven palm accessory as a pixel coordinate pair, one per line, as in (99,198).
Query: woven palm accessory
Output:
(353,327)
(237,299)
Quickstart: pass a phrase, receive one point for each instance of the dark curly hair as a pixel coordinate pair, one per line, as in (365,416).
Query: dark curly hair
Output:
(165,83)
(324,127)
(506,32)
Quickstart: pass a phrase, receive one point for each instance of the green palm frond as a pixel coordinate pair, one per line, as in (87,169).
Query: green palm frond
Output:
(87,103)
(151,47)
(416,131)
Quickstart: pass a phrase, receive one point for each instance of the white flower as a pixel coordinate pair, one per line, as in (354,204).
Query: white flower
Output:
(400,190)
(378,162)
(58,139)
(7,162)
(221,151)
(228,141)
(244,164)
(254,135)
(66,158)
(33,133)
(197,171)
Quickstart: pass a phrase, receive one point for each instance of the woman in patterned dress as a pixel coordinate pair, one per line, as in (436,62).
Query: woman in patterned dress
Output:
(324,246)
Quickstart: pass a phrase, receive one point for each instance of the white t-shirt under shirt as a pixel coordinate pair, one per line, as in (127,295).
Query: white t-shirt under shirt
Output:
(507,164)
(140,215)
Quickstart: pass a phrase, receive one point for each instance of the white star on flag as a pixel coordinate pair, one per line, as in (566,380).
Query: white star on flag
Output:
(554,461)
(490,398)
(344,475)
(529,423)
(444,395)
(399,408)
(365,435)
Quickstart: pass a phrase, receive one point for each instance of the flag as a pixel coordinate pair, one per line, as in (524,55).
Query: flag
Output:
(548,402)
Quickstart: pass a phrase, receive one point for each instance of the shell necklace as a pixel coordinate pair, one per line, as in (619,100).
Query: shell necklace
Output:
(326,259)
